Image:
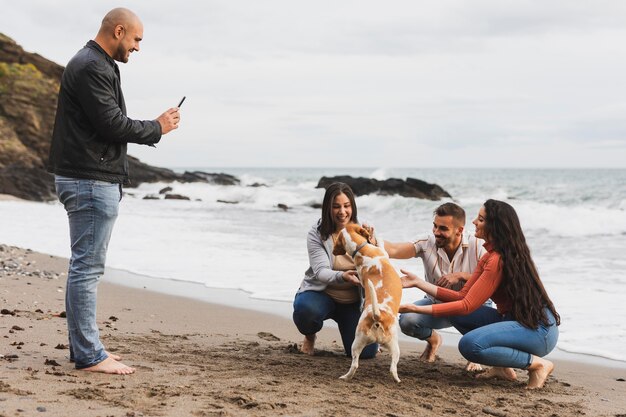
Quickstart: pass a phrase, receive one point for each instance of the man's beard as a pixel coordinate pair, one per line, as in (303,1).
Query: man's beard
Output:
(121,54)
(441,242)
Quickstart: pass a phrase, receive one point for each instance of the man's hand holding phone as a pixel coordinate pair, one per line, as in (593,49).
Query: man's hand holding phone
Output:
(170,119)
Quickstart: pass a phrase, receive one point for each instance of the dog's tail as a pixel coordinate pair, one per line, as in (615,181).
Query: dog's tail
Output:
(375,308)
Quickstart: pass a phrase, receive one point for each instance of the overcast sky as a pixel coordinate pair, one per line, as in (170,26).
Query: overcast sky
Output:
(364,83)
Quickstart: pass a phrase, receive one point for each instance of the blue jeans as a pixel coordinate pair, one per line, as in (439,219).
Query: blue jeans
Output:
(496,340)
(422,325)
(92,208)
(311,308)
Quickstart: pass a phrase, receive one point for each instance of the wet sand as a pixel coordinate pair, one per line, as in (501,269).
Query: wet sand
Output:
(195,358)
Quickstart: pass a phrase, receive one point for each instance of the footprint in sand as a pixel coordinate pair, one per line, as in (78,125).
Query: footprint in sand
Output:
(268,336)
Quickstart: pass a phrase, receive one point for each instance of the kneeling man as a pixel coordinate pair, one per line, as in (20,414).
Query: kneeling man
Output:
(449,256)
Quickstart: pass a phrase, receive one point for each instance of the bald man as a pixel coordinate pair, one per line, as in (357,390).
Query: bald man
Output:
(88,158)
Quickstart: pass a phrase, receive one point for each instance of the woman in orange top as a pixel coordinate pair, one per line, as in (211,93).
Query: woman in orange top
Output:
(523,328)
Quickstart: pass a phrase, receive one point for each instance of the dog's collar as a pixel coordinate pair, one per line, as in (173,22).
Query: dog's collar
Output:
(358,248)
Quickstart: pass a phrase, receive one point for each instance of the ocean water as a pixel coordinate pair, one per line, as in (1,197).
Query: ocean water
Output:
(574,221)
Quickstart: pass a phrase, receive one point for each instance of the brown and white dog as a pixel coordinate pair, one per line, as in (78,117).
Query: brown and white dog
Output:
(383,292)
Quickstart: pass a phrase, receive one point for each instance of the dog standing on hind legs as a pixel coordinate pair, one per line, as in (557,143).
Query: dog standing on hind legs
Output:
(383,293)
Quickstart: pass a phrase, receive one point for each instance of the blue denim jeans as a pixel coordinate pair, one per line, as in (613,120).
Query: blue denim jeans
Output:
(92,208)
(496,340)
(311,308)
(421,325)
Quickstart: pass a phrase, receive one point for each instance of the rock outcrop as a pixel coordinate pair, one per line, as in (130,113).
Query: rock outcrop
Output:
(410,187)
(28,89)
(209,177)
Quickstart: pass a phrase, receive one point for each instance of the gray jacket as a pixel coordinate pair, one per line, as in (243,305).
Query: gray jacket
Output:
(321,257)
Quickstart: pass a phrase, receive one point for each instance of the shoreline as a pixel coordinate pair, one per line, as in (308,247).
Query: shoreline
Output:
(203,358)
(241,299)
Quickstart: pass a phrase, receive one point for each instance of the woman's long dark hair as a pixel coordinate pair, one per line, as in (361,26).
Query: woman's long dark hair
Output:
(520,279)
(327,225)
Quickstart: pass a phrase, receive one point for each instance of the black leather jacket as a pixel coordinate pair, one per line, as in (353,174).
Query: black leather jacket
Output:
(91,130)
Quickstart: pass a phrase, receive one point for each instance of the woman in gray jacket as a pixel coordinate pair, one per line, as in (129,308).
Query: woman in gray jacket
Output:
(330,288)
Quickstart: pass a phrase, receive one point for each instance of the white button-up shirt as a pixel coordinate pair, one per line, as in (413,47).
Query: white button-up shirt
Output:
(437,263)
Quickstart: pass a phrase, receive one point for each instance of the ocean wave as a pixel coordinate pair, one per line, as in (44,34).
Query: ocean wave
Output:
(570,221)
(597,352)
(380,174)
(538,217)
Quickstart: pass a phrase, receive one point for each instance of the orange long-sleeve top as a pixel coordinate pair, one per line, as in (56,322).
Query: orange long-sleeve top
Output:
(484,284)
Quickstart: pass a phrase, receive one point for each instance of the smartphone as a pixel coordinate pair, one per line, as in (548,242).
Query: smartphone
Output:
(181,101)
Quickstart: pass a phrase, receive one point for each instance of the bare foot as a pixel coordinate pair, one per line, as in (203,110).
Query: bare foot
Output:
(473,367)
(109,354)
(308,345)
(110,366)
(113,356)
(538,372)
(507,374)
(432,345)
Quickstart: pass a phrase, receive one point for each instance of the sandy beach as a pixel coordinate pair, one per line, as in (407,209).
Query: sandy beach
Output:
(195,358)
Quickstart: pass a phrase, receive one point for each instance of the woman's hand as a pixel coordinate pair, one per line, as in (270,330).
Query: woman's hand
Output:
(412,308)
(448,280)
(352,277)
(410,280)
(407,308)
(370,230)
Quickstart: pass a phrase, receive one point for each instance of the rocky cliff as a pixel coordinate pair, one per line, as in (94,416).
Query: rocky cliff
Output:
(29,84)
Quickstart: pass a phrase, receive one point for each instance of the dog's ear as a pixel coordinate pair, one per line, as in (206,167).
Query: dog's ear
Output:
(339,247)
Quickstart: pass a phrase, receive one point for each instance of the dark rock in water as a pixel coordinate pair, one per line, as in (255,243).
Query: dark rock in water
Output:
(282,206)
(411,187)
(138,173)
(360,185)
(165,190)
(431,191)
(257,184)
(151,197)
(211,178)
(227,202)
(176,197)
(316,205)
